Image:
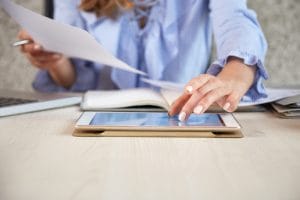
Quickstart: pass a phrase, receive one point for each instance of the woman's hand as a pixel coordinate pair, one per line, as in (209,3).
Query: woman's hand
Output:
(226,89)
(58,66)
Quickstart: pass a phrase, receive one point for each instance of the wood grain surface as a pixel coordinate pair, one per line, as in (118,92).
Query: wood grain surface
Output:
(40,159)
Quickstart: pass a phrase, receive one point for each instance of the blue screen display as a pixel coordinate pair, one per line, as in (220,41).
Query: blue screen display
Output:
(148,119)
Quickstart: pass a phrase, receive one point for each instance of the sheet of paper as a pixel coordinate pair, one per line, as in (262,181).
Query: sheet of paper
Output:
(62,38)
(170,95)
(164,84)
(122,98)
(295,100)
(274,94)
(282,109)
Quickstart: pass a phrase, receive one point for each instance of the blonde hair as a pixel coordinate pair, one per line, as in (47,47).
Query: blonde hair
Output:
(107,8)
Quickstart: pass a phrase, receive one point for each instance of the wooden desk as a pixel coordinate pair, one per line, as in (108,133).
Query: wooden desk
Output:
(39,159)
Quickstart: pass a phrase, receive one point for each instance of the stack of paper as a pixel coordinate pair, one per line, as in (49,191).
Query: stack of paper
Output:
(288,107)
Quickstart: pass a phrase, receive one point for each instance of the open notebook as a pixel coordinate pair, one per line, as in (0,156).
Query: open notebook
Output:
(122,100)
(139,99)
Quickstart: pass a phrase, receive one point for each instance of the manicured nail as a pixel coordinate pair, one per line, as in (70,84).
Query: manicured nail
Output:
(189,89)
(198,109)
(182,116)
(226,106)
(37,47)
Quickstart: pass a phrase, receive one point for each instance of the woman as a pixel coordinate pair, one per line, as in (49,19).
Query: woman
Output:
(169,40)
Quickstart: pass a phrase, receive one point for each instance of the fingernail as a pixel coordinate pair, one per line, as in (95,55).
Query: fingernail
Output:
(189,89)
(226,106)
(198,109)
(37,47)
(182,116)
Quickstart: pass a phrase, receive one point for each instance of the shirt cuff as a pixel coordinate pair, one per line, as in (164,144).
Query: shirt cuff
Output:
(257,90)
(44,83)
(85,79)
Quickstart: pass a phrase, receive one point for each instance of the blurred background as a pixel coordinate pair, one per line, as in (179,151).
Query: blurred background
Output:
(280,20)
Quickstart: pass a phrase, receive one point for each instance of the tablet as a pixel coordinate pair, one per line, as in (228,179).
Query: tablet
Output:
(152,121)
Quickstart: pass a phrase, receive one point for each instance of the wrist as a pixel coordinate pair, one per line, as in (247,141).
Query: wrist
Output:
(63,72)
(236,71)
(58,65)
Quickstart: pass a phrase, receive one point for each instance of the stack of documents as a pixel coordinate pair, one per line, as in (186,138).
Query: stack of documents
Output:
(287,107)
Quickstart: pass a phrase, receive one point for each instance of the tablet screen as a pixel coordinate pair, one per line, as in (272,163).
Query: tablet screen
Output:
(147,119)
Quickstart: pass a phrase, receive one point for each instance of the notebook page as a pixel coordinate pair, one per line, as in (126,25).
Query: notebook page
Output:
(95,100)
(170,95)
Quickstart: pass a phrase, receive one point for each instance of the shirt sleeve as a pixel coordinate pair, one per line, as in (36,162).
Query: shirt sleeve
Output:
(67,12)
(85,79)
(238,33)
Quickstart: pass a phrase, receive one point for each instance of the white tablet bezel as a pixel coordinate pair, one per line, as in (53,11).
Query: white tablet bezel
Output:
(230,125)
(229,120)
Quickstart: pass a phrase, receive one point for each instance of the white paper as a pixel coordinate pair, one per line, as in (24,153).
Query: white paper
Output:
(170,95)
(122,98)
(164,84)
(274,94)
(62,38)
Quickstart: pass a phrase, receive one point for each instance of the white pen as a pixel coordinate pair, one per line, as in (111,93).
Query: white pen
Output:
(21,42)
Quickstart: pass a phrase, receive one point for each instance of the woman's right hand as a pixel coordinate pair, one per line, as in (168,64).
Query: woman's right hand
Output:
(59,66)
(36,55)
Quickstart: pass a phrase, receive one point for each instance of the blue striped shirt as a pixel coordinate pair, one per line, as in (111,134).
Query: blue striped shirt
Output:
(175,44)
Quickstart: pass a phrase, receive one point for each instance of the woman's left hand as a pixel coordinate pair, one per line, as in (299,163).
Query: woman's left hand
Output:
(226,89)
